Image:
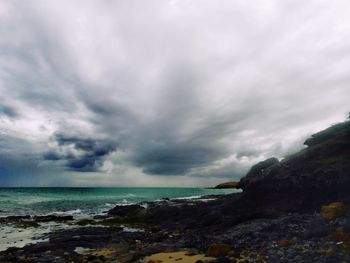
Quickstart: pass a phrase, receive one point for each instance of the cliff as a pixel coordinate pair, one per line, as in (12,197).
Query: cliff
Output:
(304,181)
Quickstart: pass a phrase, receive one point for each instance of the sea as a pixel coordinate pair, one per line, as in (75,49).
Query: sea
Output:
(82,202)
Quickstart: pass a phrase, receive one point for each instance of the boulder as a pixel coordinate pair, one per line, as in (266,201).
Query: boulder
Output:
(125,210)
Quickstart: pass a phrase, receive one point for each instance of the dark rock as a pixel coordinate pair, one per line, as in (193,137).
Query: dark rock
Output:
(49,218)
(317,228)
(126,210)
(228,185)
(317,175)
(15,218)
(26,224)
(260,168)
(339,129)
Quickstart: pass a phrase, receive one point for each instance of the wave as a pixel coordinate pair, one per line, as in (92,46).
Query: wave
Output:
(187,197)
(74,202)
(69,212)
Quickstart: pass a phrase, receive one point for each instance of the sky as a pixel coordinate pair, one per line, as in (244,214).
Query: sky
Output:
(164,92)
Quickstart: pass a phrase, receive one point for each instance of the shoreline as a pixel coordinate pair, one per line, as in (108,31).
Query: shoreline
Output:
(18,231)
(84,201)
(134,232)
(78,211)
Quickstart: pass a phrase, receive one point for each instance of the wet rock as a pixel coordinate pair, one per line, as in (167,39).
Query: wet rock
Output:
(14,218)
(86,221)
(26,224)
(49,218)
(126,210)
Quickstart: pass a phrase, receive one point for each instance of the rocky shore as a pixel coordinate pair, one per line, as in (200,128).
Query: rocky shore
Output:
(290,210)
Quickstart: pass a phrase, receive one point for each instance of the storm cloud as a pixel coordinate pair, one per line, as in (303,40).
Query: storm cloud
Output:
(8,111)
(164,92)
(80,154)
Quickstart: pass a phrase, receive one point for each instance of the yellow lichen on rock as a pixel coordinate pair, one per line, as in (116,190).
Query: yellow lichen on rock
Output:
(177,257)
(333,210)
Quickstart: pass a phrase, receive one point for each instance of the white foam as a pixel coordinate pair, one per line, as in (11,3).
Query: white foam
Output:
(187,197)
(132,229)
(82,250)
(145,205)
(69,212)
(11,236)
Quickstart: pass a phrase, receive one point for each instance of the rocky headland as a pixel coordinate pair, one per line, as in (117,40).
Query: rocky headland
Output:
(228,185)
(290,210)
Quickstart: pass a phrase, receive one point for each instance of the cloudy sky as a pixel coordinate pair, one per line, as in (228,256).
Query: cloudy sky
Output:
(164,92)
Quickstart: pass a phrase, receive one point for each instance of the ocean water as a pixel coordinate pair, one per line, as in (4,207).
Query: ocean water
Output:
(86,201)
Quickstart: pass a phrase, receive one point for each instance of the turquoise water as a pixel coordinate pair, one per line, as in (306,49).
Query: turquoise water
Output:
(86,201)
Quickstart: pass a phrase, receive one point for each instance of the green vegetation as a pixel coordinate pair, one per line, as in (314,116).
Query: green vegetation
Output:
(26,224)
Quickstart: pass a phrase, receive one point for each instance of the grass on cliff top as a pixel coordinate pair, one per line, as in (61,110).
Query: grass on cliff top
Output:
(315,151)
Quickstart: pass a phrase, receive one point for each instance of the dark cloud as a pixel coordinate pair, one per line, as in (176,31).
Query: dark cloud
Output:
(89,156)
(53,156)
(175,159)
(8,111)
(20,162)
